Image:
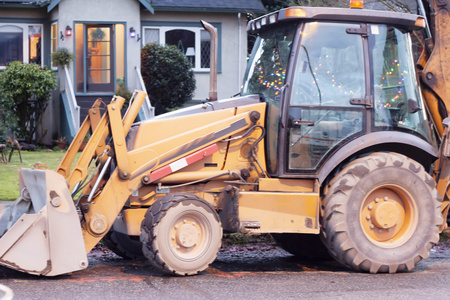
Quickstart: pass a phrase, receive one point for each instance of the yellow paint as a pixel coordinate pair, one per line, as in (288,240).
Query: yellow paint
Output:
(133,219)
(286,185)
(280,212)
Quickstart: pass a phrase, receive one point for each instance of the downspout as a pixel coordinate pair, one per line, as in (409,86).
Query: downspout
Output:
(239,51)
(212,61)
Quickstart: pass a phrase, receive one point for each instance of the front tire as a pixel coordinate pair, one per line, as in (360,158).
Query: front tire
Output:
(181,234)
(381,214)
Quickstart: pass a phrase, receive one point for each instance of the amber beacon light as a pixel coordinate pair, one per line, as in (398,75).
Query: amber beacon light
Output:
(356,3)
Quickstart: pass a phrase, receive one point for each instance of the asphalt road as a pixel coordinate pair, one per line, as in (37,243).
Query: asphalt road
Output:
(240,272)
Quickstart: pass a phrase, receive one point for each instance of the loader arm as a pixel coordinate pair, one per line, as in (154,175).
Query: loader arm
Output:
(147,164)
(89,125)
(104,197)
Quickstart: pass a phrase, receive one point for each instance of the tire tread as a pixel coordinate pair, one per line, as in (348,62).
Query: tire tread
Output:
(334,228)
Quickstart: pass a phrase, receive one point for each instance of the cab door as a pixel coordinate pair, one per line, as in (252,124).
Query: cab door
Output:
(328,79)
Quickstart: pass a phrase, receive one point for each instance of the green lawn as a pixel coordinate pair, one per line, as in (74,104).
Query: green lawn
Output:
(9,187)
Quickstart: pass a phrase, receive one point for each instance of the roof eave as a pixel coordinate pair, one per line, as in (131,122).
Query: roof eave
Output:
(207,10)
(23,5)
(147,5)
(52,5)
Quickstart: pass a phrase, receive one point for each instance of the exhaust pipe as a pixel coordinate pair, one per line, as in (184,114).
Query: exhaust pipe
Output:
(212,61)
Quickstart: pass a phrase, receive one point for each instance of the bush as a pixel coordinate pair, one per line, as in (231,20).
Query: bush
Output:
(25,92)
(123,92)
(167,75)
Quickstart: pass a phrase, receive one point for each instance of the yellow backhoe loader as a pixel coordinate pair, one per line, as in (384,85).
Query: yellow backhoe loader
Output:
(332,147)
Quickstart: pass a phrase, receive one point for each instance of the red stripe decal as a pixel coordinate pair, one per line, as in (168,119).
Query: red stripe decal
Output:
(183,162)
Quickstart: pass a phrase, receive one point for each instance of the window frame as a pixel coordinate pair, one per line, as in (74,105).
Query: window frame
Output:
(25,41)
(56,37)
(164,27)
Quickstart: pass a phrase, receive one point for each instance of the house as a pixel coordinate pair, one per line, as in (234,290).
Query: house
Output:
(106,36)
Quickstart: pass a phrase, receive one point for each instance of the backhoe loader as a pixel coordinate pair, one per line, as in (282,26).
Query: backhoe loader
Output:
(337,145)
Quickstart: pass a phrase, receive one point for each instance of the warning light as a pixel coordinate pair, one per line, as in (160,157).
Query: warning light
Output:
(356,3)
(295,13)
(420,22)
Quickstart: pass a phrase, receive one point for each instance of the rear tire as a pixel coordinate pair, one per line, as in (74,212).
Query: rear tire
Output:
(301,245)
(181,234)
(381,214)
(128,247)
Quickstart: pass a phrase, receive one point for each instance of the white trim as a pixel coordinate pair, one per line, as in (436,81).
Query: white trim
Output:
(73,105)
(26,46)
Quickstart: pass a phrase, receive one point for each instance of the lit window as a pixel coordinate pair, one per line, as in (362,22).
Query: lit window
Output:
(54,39)
(35,43)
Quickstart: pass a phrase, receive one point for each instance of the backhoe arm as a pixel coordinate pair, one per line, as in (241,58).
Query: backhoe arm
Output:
(434,65)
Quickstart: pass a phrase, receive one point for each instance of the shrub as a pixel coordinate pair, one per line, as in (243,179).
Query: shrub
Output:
(167,75)
(25,93)
(122,91)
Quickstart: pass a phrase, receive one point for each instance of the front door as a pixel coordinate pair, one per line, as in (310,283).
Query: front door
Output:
(99,58)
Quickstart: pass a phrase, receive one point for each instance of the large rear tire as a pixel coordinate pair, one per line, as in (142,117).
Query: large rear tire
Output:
(181,234)
(381,214)
(128,247)
(307,246)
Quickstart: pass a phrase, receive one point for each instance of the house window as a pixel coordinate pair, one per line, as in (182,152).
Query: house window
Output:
(54,40)
(20,42)
(194,42)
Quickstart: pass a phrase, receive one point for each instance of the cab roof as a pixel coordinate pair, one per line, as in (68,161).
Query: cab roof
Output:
(406,21)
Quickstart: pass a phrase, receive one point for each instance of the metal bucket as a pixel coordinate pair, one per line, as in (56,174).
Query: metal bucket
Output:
(40,232)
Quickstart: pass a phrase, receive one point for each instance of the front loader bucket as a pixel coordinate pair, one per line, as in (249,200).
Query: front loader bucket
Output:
(40,232)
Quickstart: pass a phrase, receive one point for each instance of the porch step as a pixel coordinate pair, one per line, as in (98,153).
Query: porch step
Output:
(85,103)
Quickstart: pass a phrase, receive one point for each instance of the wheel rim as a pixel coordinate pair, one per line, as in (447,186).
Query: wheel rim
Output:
(388,216)
(190,235)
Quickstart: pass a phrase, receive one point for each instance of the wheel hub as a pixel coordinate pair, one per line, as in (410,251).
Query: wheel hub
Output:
(386,214)
(187,235)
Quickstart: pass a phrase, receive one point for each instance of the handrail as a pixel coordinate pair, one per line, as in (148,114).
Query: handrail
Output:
(73,105)
(147,108)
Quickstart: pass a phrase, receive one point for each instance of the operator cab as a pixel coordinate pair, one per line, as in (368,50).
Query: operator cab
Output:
(330,76)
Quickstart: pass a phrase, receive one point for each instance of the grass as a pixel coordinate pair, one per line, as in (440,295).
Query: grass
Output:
(9,187)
